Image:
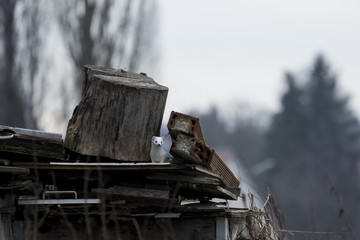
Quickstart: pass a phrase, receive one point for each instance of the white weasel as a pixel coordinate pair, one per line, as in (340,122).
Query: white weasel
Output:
(157,153)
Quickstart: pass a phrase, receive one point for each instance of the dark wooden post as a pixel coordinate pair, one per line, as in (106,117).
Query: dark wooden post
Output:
(118,114)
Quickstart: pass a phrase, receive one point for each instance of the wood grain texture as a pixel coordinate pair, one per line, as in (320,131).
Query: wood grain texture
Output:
(118,114)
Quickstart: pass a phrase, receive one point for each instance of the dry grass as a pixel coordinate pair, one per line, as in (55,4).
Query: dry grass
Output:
(271,225)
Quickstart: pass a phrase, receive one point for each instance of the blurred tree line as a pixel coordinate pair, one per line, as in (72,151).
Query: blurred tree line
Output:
(34,80)
(315,141)
(313,145)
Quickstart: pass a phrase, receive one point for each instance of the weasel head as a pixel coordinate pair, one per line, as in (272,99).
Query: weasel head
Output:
(157,141)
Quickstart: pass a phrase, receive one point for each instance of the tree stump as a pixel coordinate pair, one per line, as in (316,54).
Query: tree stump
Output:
(118,114)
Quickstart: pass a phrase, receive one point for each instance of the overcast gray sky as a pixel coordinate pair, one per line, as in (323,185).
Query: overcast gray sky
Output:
(237,50)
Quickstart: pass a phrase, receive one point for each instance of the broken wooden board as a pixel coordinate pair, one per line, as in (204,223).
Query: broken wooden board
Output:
(57,137)
(210,191)
(194,150)
(26,147)
(135,192)
(183,178)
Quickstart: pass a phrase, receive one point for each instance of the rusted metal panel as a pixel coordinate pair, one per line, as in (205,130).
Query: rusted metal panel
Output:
(179,122)
(194,150)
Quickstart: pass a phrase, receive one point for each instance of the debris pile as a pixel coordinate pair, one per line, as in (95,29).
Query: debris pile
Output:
(102,171)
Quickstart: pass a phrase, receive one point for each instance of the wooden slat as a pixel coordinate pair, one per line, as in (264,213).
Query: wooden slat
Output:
(57,137)
(220,192)
(184,169)
(27,147)
(183,178)
(135,192)
(205,170)
(211,191)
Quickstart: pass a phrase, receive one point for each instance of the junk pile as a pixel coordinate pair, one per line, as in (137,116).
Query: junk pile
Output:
(103,168)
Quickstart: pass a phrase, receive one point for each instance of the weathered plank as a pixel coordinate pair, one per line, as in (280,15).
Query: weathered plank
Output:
(135,192)
(183,178)
(35,133)
(118,114)
(210,191)
(28,147)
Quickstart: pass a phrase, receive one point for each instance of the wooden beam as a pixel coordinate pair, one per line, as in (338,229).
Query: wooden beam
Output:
(27,147)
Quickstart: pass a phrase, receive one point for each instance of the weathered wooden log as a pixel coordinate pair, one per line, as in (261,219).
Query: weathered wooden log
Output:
(118,114)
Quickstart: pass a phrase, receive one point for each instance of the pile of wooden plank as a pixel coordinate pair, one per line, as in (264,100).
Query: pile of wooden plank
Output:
(29,155)
(188,143)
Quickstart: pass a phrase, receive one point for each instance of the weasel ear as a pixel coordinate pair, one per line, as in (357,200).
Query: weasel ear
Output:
(152,139)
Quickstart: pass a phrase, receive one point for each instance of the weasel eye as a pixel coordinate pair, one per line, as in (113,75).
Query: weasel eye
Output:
(155,141)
